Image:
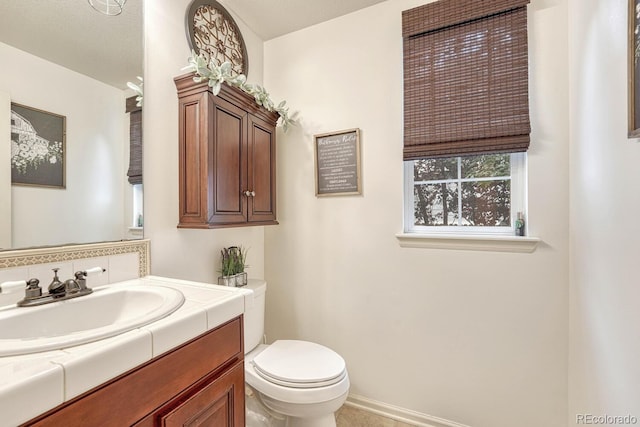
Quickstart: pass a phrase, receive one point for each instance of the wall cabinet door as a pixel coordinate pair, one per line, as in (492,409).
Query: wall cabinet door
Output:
(194,203)
(229,163)
(261,176)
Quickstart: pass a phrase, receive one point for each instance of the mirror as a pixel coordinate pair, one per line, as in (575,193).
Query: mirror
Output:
(64,59)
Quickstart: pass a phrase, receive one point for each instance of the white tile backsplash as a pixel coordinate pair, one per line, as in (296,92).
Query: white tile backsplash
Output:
(10,274)
(123,267)
(119,268)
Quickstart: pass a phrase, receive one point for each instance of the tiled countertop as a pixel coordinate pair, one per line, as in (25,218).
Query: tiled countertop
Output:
(34,383)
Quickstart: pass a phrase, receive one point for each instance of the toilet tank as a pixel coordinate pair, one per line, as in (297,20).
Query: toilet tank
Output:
(254,314)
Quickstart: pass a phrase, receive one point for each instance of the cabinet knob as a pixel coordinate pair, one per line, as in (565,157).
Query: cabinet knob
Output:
(250,193)
(253,194)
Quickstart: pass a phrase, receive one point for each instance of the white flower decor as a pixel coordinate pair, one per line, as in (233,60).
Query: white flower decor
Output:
(138,90)
(31,151)
(218,74)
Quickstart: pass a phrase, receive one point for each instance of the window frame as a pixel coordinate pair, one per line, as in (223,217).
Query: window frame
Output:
(518,177)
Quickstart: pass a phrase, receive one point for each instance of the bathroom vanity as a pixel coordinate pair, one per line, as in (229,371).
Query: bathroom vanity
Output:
(201,379)
(184,368)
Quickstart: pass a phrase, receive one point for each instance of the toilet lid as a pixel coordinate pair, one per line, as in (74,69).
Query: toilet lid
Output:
(299,364)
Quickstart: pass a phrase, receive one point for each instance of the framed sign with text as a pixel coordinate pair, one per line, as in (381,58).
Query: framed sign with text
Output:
(337,163)
(633,69)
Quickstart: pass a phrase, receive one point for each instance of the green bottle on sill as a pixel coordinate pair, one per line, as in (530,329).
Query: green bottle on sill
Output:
(520,224)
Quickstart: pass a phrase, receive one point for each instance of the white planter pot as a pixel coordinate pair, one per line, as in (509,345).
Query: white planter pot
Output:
(237,280)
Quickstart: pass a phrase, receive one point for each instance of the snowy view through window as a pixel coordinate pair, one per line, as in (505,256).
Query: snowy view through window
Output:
(463,191)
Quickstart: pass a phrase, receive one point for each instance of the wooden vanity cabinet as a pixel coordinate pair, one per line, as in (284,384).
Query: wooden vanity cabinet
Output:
(200,383)
(227,158)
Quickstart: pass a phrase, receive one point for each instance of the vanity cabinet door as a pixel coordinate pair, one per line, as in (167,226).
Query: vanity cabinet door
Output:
(219,403)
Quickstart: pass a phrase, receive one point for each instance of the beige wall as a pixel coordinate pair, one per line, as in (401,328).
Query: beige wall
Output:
(187,254)
(475,337)
(604,372)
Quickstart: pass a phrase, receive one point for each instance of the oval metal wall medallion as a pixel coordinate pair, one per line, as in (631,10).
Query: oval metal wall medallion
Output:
(211,31)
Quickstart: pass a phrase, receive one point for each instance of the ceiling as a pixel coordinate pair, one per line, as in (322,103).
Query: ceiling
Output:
(272,18)
(109,48)
(70,33)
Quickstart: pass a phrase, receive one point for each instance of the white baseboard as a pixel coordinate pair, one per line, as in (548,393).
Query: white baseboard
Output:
(399,414)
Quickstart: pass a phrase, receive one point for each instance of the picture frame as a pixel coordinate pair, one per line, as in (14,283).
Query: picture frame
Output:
(633,75)
(38,147)
(337,163)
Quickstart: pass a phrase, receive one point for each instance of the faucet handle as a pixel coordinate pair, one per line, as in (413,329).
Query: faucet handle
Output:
(33,289)
(12,286)
(89,272)
(72,286)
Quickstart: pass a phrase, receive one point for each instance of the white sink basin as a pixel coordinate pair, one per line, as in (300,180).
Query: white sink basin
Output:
(108,311)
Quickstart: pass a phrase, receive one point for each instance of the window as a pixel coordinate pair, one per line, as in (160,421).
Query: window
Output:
(472,194)
(135,141)
(466,115)
(137,205)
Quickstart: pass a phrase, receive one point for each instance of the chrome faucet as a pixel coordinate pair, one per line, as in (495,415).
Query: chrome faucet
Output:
(58,290)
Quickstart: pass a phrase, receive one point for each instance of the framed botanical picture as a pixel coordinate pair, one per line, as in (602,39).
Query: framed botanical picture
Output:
(37,147)
(634,73)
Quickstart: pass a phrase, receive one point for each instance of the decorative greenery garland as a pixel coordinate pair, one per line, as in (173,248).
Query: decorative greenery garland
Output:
(138,90)
(218,74)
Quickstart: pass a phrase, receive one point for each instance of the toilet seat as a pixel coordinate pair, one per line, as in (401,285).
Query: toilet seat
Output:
(300,364)
(314,392)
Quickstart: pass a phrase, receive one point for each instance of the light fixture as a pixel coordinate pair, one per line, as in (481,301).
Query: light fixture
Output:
(108,7)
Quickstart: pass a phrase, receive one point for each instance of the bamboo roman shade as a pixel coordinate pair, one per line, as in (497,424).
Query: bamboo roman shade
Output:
(135,141)
(465,78)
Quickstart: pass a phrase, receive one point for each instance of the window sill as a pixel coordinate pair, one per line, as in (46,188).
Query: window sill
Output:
(469,242)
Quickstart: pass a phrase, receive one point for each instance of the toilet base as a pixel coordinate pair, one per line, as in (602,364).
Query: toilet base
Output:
(320,414)
(328,420)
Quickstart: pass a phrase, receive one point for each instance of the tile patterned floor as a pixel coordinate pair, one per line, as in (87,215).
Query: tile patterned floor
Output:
(348,416)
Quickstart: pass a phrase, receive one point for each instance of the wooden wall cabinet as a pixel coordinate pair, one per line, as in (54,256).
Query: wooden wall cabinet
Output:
(227,158)
(199,383)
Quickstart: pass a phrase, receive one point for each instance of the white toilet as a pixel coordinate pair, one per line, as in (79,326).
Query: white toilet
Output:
(302,381)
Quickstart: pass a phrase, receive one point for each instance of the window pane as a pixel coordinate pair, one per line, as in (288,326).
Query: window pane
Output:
(486,203)
(435,169)
(486,166)
(436,204)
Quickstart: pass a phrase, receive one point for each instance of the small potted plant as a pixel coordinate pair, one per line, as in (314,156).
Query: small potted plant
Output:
(232,266)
